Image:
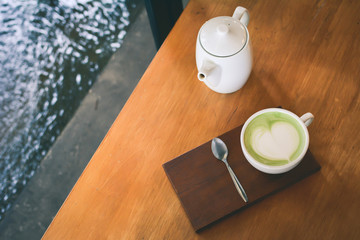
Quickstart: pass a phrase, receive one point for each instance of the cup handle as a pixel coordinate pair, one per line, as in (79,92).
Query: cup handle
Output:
(242,14)
(307,118)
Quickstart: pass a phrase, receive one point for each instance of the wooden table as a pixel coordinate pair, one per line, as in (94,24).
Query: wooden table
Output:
(306,58)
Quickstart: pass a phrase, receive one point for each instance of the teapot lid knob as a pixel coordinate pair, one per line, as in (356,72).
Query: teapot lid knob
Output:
(222,29)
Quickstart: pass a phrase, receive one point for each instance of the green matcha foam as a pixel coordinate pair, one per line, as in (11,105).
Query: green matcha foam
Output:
(274,138)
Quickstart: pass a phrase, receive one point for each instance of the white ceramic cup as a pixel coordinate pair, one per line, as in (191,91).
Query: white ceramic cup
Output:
(304,121)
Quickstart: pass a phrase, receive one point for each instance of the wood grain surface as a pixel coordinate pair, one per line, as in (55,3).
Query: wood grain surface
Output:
(306,59)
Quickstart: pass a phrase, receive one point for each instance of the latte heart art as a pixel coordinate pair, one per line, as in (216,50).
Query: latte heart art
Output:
(278,143)
(274,138)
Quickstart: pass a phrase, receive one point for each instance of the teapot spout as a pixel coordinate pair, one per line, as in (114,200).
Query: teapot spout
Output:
(202,75)
(205,71)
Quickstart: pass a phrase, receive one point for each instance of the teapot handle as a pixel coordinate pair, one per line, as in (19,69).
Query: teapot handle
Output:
(242,14)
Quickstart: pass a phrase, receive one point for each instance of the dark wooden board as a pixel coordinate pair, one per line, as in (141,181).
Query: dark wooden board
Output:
(206,190)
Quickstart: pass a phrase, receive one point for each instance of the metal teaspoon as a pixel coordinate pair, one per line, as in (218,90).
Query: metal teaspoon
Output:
(220,151)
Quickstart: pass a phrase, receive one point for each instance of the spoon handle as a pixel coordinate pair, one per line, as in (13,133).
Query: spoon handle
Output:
(236,181)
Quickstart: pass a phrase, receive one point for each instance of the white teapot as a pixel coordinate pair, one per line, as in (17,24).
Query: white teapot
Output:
(223,52)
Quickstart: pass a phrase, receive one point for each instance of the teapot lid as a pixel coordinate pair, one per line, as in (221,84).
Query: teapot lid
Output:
(223,36)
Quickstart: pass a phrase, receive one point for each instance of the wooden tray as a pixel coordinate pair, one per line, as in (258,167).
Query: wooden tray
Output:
(206,190)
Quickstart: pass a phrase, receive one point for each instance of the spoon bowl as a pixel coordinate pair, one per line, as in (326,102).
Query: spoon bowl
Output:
(219,149)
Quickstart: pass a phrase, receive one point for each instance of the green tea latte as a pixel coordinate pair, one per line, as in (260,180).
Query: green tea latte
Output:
(274,138)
